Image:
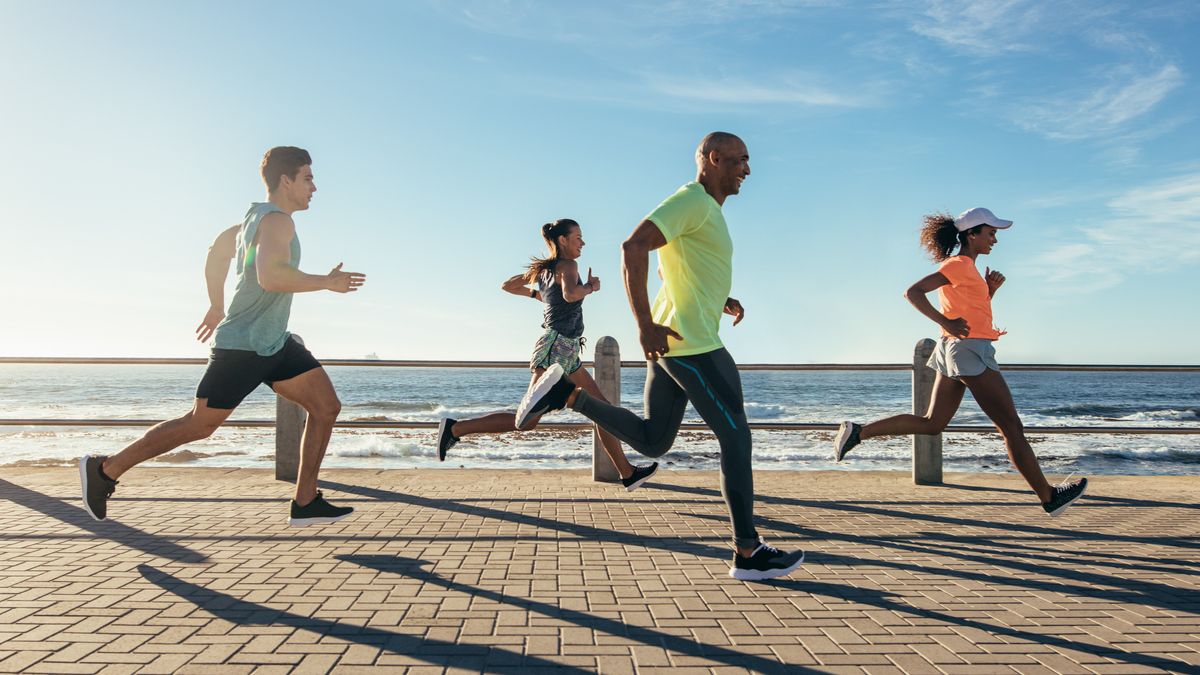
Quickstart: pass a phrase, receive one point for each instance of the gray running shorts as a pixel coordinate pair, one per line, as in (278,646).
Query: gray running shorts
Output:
(954,357)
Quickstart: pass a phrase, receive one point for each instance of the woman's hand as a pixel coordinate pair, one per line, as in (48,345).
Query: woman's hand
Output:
(994,280)
(957,327)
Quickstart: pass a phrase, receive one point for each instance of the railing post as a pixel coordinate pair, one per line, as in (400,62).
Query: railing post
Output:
(607,374)
(927,450)
(289,429)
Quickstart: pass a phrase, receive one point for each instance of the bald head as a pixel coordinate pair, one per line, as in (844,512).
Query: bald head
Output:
(722,163)
(721,141)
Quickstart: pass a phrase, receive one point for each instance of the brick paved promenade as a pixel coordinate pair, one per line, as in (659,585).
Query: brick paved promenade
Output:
(517,571)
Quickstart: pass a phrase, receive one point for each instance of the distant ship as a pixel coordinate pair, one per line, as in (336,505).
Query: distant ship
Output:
(372,357)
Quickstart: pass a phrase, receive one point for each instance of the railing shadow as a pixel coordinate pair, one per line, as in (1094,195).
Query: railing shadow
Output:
(75,516)
(435,652)
(1125,501)
(414,569)
(881,600)
(1121,589)
(1060,533)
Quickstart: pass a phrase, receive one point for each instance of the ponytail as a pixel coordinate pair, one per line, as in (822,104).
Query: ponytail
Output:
(550,232)
(939,236)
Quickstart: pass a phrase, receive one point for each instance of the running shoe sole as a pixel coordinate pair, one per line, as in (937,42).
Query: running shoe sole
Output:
(305,522)
(759,575)
(537,392)
(843,436)
(638,484)
(83,484)
(443,447)
(1063,509)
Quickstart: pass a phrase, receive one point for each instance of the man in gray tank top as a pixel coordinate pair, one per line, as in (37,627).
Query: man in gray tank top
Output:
(251,345)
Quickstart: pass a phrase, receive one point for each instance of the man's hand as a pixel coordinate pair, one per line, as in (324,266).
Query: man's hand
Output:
(734,308)
(994,280)
(344,282)
(957,327)
(211,320)
(654,340)
(593,282)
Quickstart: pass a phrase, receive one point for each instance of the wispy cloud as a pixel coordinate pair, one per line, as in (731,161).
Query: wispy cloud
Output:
(787,90)
(1080,114)
(981,26)
(1151,228)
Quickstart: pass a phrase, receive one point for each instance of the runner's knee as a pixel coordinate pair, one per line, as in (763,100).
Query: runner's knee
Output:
(326,409)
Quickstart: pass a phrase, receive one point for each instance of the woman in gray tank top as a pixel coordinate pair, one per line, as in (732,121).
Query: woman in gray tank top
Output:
(561,291)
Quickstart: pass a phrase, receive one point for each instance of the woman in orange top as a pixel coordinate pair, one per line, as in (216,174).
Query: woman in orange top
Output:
(964,357)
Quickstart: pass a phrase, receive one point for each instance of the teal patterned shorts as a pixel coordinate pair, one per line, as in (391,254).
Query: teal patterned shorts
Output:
(555,348)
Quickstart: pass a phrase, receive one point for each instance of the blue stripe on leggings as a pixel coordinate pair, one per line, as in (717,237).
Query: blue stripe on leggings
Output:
(710,393)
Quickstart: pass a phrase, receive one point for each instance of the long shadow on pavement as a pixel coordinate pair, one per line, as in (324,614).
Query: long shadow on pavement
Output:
(881,600)
(1061,533)
(414,569)
(435,652)
(70,514)
(1147,593)
(582,531)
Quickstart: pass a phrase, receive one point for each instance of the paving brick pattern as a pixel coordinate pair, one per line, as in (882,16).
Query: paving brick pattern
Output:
(524,571)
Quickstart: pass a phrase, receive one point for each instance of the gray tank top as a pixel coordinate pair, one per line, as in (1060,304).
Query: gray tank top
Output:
(566,318)
(257,319)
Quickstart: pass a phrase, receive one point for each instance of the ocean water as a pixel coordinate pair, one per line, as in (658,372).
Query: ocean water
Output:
(424,394)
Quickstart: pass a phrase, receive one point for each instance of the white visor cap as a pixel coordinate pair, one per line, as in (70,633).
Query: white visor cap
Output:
(980,216)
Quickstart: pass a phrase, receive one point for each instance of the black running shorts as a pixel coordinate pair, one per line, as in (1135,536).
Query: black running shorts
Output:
(233,373)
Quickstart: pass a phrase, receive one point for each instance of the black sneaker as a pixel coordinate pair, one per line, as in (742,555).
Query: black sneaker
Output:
(640,475)
(1065,494)
(847,437)
(446,439)
(767,562)
(96,487)
(549,392)
(316,512)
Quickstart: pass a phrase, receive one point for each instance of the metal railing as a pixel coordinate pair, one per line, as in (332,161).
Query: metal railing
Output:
(927,461)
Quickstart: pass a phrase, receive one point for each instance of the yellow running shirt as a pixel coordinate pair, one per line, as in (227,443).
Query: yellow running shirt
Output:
(697,269)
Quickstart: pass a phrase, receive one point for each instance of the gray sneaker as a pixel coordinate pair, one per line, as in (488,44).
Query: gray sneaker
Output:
(96,487)
(445,438)
(847,437)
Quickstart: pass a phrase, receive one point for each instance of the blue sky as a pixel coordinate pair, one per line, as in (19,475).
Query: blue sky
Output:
(444,134)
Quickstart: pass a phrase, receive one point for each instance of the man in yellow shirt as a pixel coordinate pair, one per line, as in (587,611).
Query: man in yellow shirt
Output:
(686,360)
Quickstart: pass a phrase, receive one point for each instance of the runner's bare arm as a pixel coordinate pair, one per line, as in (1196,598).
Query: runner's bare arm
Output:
(216,270)
(275,235)
(635,266)
(916,295)
(517,285)
(567,272)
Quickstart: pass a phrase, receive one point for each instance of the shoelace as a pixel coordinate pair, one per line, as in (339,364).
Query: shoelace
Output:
(769,549)
(1065,484)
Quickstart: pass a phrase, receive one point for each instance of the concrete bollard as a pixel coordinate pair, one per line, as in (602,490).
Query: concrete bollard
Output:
(607,373)
(927,450)
(289,429)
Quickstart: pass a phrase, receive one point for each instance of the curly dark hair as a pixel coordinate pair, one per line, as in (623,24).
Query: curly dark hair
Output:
(939,236)
(550,232)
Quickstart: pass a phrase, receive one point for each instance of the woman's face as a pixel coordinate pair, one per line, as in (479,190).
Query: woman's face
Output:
(983,240)
(570,245)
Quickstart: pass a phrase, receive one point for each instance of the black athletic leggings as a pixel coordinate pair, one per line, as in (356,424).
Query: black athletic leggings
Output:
(711,382)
